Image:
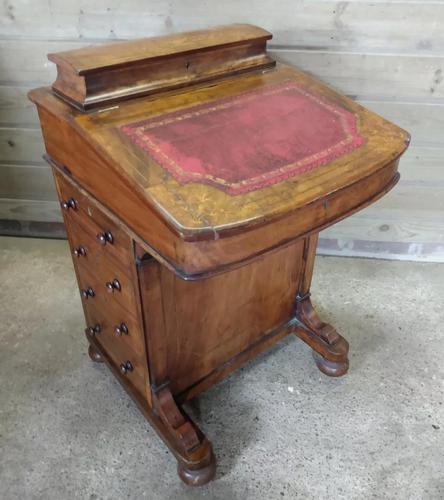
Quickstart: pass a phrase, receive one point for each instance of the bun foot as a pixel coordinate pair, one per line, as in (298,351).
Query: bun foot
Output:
(94,355)
(199,476)
(330,368)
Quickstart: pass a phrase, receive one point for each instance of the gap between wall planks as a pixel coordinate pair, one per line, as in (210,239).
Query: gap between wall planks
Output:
(360,47)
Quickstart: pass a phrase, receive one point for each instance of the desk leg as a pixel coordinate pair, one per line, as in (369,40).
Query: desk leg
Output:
(195,460)
(330,350)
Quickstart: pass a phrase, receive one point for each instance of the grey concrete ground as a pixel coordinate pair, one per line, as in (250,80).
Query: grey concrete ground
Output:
(280,428)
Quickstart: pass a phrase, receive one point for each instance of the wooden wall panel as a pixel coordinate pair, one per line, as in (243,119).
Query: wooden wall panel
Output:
(27,182)
(387,76)
(24,62)
(30,210)
(385,224)
(401,26)
(424,121)
(22,145)
(423,166)
(15,107)
(360,74)
(389,55)
(405,235)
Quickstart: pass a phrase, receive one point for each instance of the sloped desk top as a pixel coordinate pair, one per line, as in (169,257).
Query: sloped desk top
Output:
(227,157)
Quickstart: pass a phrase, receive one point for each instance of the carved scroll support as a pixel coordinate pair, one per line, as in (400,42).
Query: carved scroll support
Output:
(330,350)
(196,463)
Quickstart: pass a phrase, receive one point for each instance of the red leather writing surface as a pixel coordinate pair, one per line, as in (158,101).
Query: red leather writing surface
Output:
(250,141)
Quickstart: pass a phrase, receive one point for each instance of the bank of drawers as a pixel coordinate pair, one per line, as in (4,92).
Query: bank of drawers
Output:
(103,257)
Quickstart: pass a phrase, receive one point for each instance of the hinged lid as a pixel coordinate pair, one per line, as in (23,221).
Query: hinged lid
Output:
(97,75)
(216,172)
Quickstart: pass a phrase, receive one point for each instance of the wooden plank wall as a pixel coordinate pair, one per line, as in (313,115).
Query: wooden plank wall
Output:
(389,55)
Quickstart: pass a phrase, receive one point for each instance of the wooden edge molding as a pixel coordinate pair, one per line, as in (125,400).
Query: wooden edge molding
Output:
(218,269)
(328,246)
(289,241)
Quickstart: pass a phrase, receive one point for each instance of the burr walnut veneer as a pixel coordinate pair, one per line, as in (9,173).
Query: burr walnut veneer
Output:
(194,175)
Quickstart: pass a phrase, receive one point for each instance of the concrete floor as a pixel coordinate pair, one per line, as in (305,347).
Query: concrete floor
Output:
(279,427)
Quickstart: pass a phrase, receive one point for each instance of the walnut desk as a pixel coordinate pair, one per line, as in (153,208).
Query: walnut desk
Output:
(194,175)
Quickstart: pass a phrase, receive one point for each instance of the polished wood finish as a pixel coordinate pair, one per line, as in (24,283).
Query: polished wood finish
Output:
(183,283)
(217,318)
(94,76)
(208,228)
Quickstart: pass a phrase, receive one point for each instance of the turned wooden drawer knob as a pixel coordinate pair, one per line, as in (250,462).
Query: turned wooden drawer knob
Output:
(121,329)
(105,237)
(67,204)
(126,367)
(113,285)
(87,292)
(79,251)
(92,330)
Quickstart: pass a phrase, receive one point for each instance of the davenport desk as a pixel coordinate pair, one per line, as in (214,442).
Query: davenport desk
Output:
(194,175)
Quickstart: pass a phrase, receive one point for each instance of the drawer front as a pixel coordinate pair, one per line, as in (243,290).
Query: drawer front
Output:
(124,359)
(110,281)
(111,316)
(126,347)
(131,365)
(111,285)
(84,211)
(103,256)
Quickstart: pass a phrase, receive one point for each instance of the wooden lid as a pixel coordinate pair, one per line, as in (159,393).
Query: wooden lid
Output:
(112,55)
(201,209)
(98,75)
(217,171)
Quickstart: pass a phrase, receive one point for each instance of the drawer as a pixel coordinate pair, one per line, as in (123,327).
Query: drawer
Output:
(83,210)
(130,364)
(109,284)
(110,281)
(112,317)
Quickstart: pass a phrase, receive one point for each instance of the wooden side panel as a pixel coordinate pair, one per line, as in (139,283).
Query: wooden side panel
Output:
(200,326)
(68,148)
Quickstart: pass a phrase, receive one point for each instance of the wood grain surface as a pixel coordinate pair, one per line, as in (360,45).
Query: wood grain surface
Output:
(198,210)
